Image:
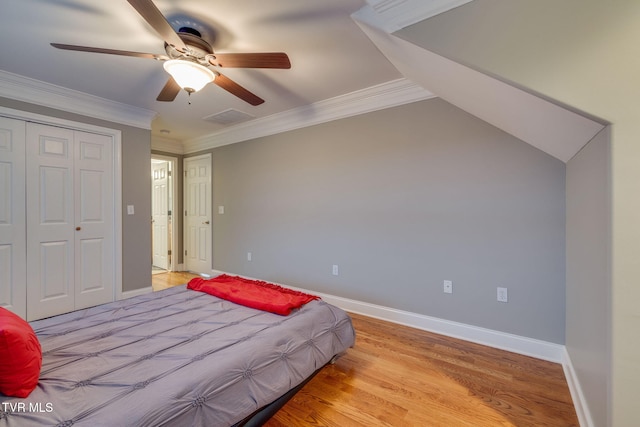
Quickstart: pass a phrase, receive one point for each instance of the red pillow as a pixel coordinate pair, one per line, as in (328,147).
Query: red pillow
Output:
(20,356)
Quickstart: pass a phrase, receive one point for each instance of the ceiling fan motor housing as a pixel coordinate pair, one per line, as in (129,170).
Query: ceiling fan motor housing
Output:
(197,47)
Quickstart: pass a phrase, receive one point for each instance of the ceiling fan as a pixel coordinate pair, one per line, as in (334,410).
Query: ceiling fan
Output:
(189,57)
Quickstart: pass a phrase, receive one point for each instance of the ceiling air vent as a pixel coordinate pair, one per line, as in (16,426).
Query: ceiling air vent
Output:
(228,117)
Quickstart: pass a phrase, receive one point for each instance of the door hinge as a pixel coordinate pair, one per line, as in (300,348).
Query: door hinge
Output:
(168,173)
(169,252)
(185,253)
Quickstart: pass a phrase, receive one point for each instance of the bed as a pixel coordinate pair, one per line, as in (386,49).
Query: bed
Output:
(176,357)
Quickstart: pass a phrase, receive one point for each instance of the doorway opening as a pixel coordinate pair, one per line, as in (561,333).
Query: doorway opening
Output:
(163,199)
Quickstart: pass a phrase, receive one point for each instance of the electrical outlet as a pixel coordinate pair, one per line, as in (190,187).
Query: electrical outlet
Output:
(448,287)
(502,295)
(249,256)
(334,270)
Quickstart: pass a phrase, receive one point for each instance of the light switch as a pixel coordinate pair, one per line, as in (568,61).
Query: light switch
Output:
(130,210)
(221,210)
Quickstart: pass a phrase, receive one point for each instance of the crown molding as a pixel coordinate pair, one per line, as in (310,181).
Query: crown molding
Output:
(385,95)
(394,15)
(37,92)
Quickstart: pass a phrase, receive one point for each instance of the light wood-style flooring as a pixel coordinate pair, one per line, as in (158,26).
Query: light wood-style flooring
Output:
(166,280)
(400,376)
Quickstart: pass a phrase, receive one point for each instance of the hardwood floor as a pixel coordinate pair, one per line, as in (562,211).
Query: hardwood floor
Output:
(167,280)
(400,376)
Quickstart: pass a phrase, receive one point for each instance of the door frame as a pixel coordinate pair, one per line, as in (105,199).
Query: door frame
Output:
(116,135)
(175,215)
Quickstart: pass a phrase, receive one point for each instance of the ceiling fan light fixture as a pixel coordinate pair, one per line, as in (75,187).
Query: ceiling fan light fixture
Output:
(190,76)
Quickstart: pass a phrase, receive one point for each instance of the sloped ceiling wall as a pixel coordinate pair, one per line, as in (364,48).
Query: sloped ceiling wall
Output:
(546,125)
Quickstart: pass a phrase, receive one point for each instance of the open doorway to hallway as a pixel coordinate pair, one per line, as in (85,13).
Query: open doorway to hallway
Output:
(163,199)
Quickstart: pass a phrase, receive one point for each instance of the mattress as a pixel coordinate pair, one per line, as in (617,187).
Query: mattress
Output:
(173,358)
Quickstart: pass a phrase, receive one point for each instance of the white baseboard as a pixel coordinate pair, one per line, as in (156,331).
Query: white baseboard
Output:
(579,401)
(502,340)
(135,292)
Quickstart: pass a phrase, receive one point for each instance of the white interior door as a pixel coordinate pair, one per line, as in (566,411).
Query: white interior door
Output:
(51,236)
(93,219)
(70,222)
(13,260)
(197,220)
(159,213)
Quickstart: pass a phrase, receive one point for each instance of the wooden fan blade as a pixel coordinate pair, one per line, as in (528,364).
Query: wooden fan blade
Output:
(251,60)
(158,22)
(232,87)
(169,91)
(108,51)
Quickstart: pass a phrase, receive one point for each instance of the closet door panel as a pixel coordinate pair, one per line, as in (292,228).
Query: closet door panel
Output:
(50,221)
(6,275)
(55,258)
(94,216)
(56,198)
(13,264)
(6,192)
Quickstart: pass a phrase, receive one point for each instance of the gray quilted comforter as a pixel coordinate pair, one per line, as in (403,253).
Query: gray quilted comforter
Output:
(173,358)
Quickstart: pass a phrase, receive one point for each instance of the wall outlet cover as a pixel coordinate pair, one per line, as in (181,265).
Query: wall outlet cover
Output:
(448,287)
(503,296)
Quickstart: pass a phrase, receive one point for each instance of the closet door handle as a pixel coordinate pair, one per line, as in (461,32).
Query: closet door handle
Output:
(78,228)
(206,222)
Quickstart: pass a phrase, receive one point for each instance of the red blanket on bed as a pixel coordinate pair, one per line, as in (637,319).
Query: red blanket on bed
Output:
(252,293)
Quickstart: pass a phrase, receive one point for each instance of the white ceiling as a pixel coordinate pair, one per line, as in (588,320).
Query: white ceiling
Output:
(329,53)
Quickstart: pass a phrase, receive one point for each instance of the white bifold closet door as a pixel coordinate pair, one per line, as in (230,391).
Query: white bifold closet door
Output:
(13,267)
(70,223)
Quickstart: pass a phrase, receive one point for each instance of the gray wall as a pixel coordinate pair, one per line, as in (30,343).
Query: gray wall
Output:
(401,200)
(136,190)
(588,327)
